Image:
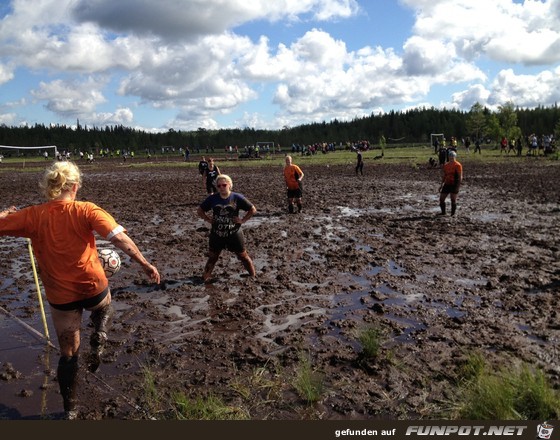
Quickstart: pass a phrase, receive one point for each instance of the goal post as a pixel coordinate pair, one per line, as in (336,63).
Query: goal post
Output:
(265,147)
(8,151)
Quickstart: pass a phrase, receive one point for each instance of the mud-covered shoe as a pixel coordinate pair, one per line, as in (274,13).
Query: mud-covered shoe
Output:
(97,342)
(71,415)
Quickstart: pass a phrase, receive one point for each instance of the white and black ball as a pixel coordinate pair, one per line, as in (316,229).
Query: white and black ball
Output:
(110,261)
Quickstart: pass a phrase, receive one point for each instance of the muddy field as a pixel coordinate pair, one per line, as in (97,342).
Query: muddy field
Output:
(367,251)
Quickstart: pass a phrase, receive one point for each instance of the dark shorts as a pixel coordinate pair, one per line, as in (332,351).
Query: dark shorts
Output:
(294,193)
(233,243)
(87,303)
(450,189)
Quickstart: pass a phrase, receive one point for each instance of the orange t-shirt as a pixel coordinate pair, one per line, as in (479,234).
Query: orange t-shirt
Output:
(290,176)
(452,172)
(61,234)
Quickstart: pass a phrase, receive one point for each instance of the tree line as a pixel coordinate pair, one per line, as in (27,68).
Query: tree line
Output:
(411,126)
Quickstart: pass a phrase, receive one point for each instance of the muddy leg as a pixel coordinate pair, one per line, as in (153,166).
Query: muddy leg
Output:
(247,263)
(101,319)
(66,374)
(453,203)
(210,263)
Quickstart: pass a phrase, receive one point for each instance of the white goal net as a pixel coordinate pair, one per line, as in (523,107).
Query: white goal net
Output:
(11,151)
(265,147)
(437,140)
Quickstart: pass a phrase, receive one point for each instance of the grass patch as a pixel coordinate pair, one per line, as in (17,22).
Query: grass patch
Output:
(415,155)
(370,340)
(151,395)
(519,392)
(206,408)
(183,407)
(309,383)
(258,388)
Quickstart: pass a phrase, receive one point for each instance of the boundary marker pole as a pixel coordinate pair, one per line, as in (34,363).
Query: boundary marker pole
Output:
(38,290)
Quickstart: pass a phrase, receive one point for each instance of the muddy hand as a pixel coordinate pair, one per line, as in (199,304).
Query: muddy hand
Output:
(153,273)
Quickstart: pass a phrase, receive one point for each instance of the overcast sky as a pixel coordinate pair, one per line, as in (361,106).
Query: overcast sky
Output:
(185,64)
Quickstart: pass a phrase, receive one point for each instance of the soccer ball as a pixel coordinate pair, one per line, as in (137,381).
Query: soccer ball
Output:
(110,261)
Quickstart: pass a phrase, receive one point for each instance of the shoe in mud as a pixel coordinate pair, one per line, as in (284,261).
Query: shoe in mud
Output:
(97,342)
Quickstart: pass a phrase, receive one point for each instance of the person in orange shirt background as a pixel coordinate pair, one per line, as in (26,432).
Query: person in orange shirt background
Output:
(452,177)
(293,177)
(61,233)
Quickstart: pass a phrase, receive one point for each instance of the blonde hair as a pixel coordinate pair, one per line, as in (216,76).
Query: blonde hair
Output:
(226,178)
(59,178)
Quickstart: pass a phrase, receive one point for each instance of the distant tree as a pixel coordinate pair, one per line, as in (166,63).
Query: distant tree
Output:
(493,127)
(476,121)
(413,125)
(507,117)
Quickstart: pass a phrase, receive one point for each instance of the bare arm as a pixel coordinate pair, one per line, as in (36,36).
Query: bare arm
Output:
(247,216)
(125,243)
(200,212)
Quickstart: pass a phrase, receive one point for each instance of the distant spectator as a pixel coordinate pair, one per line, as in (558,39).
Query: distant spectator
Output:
(202,165)
(359,163)
(209,177)
(477,146)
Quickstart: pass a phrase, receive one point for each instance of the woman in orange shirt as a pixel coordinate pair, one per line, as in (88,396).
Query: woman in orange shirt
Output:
(61,232)
(452,177)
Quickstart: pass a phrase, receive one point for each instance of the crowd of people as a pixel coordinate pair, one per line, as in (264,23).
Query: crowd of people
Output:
(533,145)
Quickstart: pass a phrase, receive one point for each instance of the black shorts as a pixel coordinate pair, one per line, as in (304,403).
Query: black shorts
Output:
(87,303)
(233,243)
(450,189)
(294,193)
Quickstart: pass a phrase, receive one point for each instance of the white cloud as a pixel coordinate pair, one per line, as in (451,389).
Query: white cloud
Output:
(180,19)
(502,30)
(466,99)
(8,119)
(426,57)
(71,98)
(6,74)
(122,116)
(190,56)
(526,90)
(197,76)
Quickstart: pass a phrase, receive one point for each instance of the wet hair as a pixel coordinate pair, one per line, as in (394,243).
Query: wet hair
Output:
(59,178)
(226,178)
